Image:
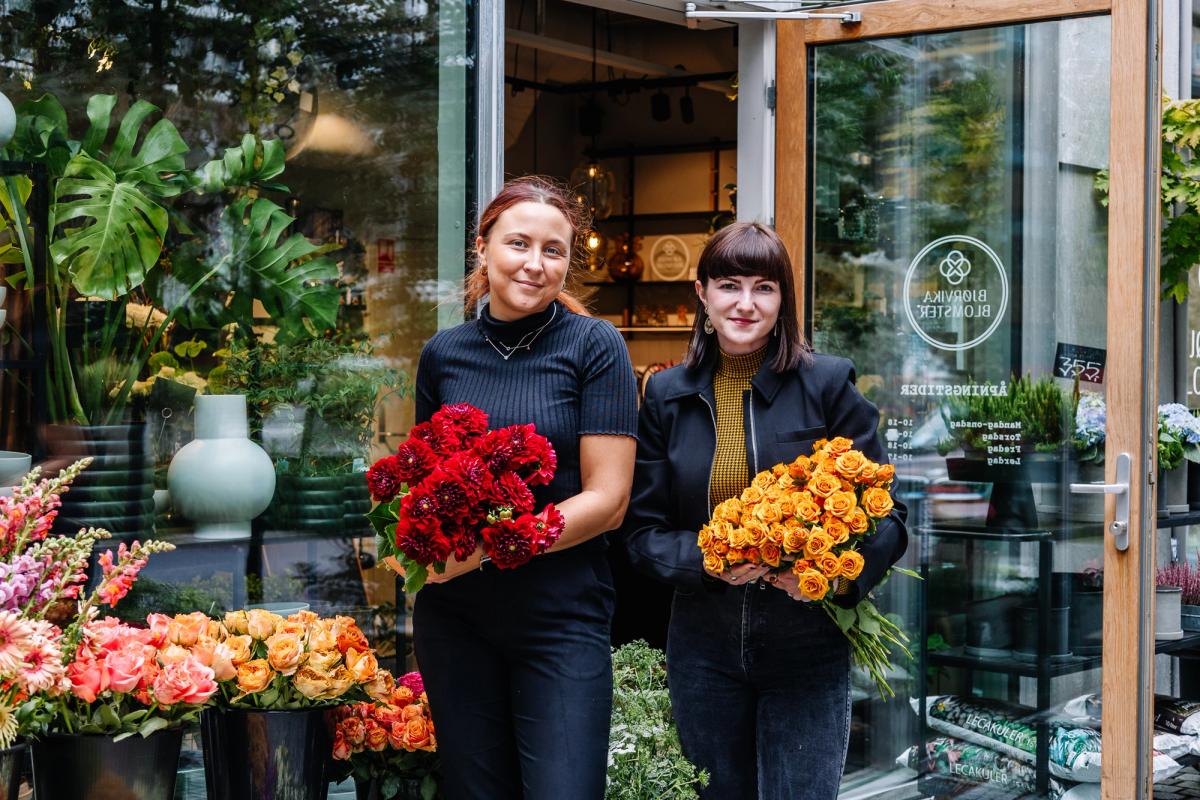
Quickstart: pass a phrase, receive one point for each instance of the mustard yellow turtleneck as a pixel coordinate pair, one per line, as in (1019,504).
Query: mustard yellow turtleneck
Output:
(730,380)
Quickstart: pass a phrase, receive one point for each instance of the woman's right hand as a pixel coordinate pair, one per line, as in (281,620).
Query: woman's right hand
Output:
(741,574)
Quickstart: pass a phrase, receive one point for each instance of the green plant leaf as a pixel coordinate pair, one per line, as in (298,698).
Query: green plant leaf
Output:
(41,134)
(157,163)
(152,725)
(120,234)
(253,162)
(414,575)
(99,113)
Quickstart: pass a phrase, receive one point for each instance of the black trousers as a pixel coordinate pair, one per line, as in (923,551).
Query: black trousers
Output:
(518,670)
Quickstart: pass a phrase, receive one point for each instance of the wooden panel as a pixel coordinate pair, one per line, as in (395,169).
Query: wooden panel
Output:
(791,149)
(902,17)
(1128,600)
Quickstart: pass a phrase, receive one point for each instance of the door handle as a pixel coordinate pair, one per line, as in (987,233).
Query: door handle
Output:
(1120,524)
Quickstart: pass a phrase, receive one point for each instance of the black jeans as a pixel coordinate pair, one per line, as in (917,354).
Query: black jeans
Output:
(760,688)
(519,675)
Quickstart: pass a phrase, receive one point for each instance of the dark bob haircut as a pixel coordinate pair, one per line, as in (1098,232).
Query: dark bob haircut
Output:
(749,249)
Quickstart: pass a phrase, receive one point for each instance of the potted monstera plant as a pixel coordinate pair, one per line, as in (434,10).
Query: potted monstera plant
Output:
(111,297)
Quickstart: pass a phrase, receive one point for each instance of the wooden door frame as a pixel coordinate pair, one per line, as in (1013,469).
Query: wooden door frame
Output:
(1128,646)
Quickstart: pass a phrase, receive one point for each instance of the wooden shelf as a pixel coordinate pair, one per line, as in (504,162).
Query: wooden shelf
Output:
(626,284)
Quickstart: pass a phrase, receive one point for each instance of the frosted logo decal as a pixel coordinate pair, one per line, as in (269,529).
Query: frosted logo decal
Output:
(955,292)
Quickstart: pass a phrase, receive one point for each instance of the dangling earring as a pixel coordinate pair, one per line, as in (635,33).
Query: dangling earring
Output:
(708,326)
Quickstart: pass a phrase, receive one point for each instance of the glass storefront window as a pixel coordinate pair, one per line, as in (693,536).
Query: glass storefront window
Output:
(959,258)
(290,187)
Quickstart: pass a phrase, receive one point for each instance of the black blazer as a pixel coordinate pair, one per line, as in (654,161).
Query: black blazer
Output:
(784,415)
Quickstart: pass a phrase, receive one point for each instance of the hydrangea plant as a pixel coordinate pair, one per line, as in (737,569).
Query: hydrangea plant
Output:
(1178,436)
(1089,427)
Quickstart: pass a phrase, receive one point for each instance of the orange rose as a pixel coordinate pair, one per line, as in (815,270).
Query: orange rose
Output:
(776,533)
(254,676)
(756,531)
(867,476)
(779,470)
(763,480)
(713,563)
(770,553)
(793,541)
(741,538)
(222,663)
(823,484)
(729,511)
(829,565)
(808,510)
(418,734)
(840,504)
(851,564)
(324,660)
(750,495)
(402,696)
(186,629)
(260,624)
(312,684)
(785,482)
(818,542)
(839,445)
(321,637)
(768,513)
(850,463)
(877,502)
(819,445)
(858,522)
(173,654)
(297,629)
(813,585)
(801,468)
(349,635)
(239,648)
(704,539)
(380,687)
(838,531)
(305,617)
(773,493)
(720,547)
(884,474)
(285,653)
(787,505)
(752,555)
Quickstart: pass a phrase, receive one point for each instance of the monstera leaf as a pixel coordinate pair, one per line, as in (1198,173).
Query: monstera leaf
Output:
(254,162)
(14,194)
(156,165)
(41,134)
(118,230)
(291,277)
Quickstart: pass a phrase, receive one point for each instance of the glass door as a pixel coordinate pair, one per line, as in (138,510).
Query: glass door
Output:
(955,196)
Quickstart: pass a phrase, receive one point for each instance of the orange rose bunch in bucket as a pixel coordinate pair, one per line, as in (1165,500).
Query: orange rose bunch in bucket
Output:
(809,517)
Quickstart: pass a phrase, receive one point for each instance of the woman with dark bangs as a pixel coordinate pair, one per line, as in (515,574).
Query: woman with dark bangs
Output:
(759,679)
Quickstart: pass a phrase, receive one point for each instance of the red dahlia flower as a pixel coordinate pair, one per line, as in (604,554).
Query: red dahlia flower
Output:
(509,542)
(383,479)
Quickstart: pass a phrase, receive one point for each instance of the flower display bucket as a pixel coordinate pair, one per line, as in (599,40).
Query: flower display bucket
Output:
(12,764)
(95,766)
(266,755)
(1189,618)
(1177,489)
(116,491)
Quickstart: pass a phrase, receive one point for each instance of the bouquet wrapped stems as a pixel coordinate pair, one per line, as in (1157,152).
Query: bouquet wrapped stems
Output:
(872,639)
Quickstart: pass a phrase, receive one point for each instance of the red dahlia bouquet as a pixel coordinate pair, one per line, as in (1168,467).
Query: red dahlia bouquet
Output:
(455,485)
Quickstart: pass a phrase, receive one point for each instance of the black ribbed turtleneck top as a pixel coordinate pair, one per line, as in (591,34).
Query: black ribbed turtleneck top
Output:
(574,379)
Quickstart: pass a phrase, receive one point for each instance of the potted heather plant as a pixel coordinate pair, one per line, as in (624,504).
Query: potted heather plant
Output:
(1186,576)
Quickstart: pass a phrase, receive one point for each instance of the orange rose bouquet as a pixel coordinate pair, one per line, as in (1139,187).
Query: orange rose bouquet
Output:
(809,517)
(389,742)
(265,661)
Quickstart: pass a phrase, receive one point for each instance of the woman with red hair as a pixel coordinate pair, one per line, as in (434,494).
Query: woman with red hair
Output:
(517,662)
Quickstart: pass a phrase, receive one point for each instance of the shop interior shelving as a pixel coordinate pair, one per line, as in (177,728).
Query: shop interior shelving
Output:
(1043,667)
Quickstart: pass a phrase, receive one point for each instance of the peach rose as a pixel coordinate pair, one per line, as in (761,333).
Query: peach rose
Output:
(236,622)
(793,541)
(823,484)
(285,653)
(349,635)
(770,553)
(818,542)
(850,463)
(376,738)
(173,654)
(380,687)
(763,481)
(260,624)
(773,494)
(403,696)
(185,629)
(867,476)
(776,533)
(354,729)
(361,665)
(838,531)
(125,668)
(239,648)
(857,521)
(297,629)
(801,468)
(304,617)
(829,565)
(321,637)
(785,482)
(714,563)
(768,513)
(840,504)
(418,734)
(750,495)
(813,585)
(341,749)
(158,625)
(222,663)
(188,682)
(312,684)
(851,564)
(254,676)
(877,502)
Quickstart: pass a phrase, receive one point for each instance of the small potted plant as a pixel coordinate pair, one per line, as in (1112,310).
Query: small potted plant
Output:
(1178,440)
(1186,576)
(389,746)
(1167,606)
